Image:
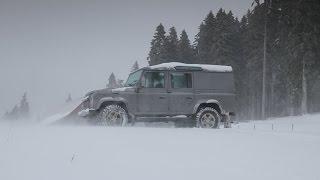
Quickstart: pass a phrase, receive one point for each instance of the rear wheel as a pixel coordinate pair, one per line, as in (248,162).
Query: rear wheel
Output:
(208,117)
(113,115)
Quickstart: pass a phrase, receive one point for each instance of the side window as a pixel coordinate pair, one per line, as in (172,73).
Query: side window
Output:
(153,80)
(181,80)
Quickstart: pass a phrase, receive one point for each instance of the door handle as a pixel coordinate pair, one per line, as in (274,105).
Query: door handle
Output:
(189,98)
(162,97)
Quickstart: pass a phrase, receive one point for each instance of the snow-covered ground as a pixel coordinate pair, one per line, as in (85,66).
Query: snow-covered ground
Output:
(248,151)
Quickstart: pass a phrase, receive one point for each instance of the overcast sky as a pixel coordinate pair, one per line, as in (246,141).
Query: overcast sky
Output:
(52,48)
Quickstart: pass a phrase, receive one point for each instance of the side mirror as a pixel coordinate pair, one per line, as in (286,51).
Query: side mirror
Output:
(136,89)
(140,84)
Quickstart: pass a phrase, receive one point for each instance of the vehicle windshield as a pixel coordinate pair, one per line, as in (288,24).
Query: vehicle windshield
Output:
(133,79)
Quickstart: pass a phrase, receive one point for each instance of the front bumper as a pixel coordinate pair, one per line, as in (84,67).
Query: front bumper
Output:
(85,107)
(85,112)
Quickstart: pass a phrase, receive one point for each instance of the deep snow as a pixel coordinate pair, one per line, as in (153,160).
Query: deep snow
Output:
(243,152)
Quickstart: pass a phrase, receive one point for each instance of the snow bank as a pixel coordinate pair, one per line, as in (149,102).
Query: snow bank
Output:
(206,67)
(51,153)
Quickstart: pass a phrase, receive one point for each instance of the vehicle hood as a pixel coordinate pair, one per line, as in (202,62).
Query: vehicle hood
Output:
(123,89)
(110,91)
(99,91)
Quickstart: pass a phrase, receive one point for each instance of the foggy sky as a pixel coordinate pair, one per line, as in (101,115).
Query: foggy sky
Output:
(52,48)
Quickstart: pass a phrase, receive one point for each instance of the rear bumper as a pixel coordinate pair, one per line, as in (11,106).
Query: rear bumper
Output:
(228,114)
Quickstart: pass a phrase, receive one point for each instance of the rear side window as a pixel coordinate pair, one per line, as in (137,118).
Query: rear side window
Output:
(153,80)
(181,80)
(214,81)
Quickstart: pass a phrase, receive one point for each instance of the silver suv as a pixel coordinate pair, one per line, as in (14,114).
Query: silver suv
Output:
(204,93)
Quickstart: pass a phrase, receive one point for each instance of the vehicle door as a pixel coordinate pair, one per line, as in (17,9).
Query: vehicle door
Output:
(181,96)
(152,95)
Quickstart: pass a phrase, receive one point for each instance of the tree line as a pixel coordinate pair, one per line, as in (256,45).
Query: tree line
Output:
(286,33)
(22,109)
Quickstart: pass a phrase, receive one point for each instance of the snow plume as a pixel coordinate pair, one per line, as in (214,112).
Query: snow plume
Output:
(58,116)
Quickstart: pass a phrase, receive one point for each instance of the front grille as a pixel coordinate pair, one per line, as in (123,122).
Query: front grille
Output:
(86,104)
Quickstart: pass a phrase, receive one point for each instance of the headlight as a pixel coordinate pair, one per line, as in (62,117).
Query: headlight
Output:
(86,102)
(85,98)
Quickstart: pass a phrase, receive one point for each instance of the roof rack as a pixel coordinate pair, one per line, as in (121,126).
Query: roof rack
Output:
(192,68)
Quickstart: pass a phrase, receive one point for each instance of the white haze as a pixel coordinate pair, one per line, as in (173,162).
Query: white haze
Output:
(52,48)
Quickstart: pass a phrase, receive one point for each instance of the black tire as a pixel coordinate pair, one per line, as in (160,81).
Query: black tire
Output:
(113,115)
(208,117)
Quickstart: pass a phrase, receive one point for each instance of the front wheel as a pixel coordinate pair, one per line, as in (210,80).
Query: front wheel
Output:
(113,115)
(208,117)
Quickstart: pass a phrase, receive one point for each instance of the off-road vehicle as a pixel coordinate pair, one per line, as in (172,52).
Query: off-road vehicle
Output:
(204,93)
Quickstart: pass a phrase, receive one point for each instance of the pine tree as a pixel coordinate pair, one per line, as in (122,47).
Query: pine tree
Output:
(6,116)
(277,63)
(225,47)
(254,59)
(69,98)
(304,44)
(112,82)
(171,46)
(185,50)
(14,114)
(157,46)
(23,110)
(135,66)
(204,39)
(120,83)
(240,72)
